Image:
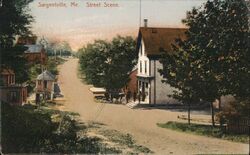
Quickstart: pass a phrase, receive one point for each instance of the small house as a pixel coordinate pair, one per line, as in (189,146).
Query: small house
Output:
(45,86)
(10,92)
(35,53)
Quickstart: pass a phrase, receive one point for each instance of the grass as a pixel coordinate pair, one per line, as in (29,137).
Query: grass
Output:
(33,129)
(204,130)
(125,140)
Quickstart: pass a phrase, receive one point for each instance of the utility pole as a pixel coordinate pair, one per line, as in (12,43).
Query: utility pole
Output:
(140,15)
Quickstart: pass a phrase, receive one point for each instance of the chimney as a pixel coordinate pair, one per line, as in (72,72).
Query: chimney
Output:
(145,22)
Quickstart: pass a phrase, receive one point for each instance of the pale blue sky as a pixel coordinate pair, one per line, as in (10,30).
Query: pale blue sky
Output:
(80,25)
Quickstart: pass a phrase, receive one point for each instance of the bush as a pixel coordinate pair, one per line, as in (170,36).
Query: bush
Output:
(30,129)
(24,130)
(234,111)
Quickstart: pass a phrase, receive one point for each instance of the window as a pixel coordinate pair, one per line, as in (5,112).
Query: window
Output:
(140,67)
(141,50)
(45,84)
(13,96)
(10,79)
(146,67)
(39,82)
(13,79)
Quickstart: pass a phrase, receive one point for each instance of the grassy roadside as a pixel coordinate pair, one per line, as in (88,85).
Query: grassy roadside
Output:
(204,130)
(32,129)
(45,129)
(125,141)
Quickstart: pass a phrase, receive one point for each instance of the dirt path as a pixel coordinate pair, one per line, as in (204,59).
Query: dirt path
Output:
(141,124)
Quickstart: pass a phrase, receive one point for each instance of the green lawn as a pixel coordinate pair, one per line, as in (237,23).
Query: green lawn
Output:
(204,130)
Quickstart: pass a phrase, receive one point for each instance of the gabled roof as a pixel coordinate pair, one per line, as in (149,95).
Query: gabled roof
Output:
(46,75)
(34,48)
(7,71)
(158,38)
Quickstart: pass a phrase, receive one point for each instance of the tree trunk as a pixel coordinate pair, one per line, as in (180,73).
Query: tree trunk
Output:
(189,113)
(212,113)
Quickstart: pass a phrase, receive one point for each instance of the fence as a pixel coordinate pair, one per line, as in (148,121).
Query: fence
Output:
(241,126)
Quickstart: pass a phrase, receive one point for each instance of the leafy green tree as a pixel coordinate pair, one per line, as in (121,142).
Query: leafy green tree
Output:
(217,51)
(178,72)
(121,58)
(107,64)
(15,20)
(92,61)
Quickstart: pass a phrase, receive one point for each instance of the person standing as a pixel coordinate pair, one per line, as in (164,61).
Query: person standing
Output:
(135,96)
(128,95)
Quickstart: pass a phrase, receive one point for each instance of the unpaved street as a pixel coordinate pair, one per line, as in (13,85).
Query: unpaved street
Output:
(140,123)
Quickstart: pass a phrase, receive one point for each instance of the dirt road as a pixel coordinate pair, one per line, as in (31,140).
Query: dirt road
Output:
(140,123)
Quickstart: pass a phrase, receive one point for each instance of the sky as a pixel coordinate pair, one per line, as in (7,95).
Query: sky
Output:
(82,24)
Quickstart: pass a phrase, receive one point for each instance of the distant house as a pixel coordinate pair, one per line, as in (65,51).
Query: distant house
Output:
(10,92)
(150,41)
(45,86)
(35,53)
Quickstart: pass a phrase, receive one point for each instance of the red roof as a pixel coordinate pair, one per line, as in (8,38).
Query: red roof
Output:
(159,38)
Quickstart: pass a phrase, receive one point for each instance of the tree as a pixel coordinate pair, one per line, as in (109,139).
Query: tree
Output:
(217,50)
(108,64)
(121,58)
(92,61)
(15,20)
(178,72)
(54,48)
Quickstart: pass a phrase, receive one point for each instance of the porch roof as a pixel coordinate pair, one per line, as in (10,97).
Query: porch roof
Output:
(46,75)
(140,76)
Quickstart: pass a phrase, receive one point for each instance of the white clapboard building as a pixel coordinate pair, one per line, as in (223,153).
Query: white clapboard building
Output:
(150,41)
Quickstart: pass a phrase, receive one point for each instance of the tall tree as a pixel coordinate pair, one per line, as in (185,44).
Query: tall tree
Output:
(15,20)
(108,64)
(178,72)
(92,61)
(121,58)
(217,46)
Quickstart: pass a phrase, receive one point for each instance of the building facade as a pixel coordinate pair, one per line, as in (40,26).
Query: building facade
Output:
(151,41)
(35,54)
(10,92)
(45,86)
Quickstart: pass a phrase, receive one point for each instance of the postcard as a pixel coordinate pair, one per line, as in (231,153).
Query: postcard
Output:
(125,76)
